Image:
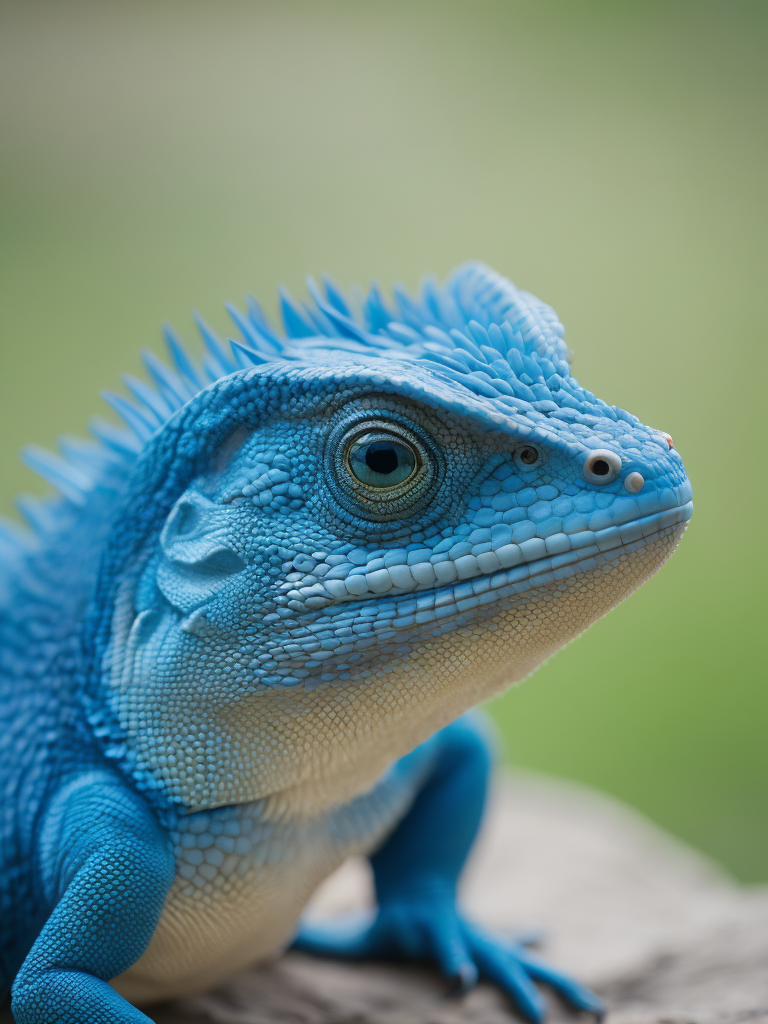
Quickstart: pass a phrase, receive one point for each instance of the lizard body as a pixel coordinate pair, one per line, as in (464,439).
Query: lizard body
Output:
(240,646)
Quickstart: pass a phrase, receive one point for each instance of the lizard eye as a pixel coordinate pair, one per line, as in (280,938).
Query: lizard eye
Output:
(602,466)
(378,459)
(526,457)
(384,469)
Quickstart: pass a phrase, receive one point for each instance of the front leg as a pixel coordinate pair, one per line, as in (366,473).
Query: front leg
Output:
(106,868)
(416,872)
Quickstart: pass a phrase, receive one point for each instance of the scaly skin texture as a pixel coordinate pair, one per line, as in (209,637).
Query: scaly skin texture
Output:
(240,646)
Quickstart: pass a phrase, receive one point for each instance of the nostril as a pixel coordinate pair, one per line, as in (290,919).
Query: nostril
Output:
(634,482)
(602,466)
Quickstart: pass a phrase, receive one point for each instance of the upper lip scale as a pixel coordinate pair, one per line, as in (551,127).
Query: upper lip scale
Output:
(612,538)
(587,543)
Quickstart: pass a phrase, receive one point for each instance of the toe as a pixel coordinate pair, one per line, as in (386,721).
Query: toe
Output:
(577,995)
(508,973)
(451,951)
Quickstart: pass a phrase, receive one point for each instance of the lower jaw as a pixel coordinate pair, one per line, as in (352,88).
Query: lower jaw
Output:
(434,615)
(473,654)
(478,652)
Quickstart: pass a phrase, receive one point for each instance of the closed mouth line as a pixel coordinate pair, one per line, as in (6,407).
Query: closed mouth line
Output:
(557,554)
(483,589)
(586,543)
(375,618)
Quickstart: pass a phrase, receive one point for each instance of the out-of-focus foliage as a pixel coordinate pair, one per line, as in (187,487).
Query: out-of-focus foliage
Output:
(609,157)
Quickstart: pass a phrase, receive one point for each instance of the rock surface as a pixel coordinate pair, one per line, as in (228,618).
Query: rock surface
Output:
(653,926)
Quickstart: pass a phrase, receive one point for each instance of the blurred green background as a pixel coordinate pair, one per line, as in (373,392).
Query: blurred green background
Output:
(610,157)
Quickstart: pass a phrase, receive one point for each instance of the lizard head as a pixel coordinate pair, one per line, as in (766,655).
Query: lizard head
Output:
(357,537)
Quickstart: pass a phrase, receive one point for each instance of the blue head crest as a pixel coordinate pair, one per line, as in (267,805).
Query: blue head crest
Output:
(484,345)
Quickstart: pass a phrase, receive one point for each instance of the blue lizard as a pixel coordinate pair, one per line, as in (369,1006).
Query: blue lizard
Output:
(241,642)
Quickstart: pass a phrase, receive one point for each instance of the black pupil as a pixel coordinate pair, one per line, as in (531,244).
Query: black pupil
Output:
(528,456)
(600,467)
(381,457)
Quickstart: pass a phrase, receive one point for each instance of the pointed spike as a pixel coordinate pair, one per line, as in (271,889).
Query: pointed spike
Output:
(343,325)
(293,321)
(459,376)
(253,336)
(442,305)
(121,442)
(479,334)
(91,457)
(323,327)
(512,338)
(404,334)
(68,480)
(496,339)
(356,302)
(430,296)
(467,284)
(15,541)
(375,310)
(466,359)
(469,346)
(260,321)
(214,344)
(11,533)
(39,514)
(157,407)
(336,297)
(438,335)
(169,384)
(314,290)
(410,313)
(247,357)
(181,360)
(330,327)
(135,419)
(443,359)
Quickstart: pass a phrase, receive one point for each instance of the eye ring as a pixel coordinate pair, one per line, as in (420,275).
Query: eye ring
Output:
(601,466)
(526,457)
(381,469)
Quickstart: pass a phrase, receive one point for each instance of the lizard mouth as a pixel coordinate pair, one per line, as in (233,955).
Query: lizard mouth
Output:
(587,550)
(403,595)
(334,632)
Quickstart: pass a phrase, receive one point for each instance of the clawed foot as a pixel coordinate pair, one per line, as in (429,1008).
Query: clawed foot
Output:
(462,952)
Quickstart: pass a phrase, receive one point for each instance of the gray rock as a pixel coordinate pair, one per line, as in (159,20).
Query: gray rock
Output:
(659,931)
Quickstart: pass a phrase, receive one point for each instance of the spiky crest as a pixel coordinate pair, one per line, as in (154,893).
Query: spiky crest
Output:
(478,330)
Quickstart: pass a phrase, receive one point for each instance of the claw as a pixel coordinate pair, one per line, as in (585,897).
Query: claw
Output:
(462,952)
(463,981)
(598,1009)
(571,991)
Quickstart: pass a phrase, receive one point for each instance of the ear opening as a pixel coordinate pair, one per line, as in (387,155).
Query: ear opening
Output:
(196,558)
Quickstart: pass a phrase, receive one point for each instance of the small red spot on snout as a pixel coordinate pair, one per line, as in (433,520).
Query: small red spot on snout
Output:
(670,442)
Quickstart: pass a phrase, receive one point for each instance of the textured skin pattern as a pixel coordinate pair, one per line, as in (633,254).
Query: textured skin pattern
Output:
(232,648)
(244,874)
